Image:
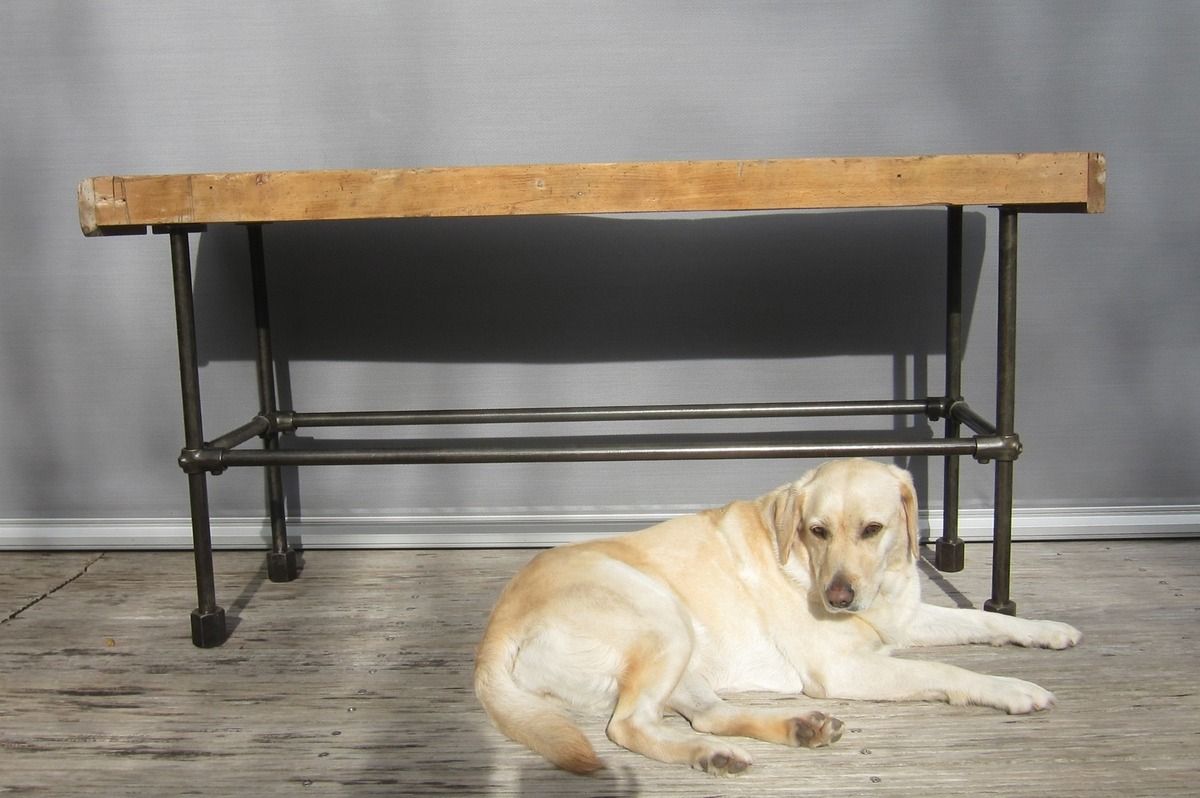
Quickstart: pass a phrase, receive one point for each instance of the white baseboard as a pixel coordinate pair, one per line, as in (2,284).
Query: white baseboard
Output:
(537,530)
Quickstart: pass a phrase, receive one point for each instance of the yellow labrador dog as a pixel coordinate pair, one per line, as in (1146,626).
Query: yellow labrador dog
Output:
(804,590)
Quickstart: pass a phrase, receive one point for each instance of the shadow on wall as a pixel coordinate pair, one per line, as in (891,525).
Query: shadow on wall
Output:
(570,289)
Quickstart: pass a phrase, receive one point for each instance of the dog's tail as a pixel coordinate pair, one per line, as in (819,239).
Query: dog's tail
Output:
(530,719)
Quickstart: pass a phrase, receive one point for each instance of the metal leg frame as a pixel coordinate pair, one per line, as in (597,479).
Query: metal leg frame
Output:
(989,442)
(1006,368)
(208,620)
(950,554)
(281,562)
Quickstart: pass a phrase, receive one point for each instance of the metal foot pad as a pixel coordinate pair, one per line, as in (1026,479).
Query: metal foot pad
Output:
(1007,607)
(950,555)
(208,628)
(282,566)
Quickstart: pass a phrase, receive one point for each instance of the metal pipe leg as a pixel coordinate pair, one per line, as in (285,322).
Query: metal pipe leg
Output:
(1002,542)
(281,561)
(949,552)
(208,620)
(1006,366)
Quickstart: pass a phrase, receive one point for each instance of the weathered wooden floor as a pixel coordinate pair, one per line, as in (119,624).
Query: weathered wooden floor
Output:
(355,680)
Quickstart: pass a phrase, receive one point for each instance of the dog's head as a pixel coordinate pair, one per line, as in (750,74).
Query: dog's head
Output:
(850,522)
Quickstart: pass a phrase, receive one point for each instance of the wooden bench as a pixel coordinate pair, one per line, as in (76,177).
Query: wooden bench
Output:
(177,205)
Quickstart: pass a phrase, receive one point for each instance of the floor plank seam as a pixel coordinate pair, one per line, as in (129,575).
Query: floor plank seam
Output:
(13,615)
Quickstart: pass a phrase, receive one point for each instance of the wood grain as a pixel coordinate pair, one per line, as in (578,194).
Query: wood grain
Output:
(355,680)
(1070,181)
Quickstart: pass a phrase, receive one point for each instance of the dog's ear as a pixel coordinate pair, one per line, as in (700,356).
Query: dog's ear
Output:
(784,508)
(908,503)
(781,512)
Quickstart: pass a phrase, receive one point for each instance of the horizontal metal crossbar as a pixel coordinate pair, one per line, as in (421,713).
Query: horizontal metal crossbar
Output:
(221,452)
(591,449)
(933,408)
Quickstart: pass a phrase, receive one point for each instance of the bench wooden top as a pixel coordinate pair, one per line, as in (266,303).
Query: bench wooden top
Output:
(1064,181)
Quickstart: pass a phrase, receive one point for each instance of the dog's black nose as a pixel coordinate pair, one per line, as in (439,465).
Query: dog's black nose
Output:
(839,594)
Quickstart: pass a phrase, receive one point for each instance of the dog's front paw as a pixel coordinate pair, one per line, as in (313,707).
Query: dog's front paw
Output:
(722,760)
(814,730)
(1019,697)
(1052,634)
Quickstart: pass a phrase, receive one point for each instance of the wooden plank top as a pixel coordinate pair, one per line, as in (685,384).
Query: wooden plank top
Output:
(1065,181)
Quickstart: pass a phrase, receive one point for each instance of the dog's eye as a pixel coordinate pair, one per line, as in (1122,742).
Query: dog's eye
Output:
(871,530)
(820,532)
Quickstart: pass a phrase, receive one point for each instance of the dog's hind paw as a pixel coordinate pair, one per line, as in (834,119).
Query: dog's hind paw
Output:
(815,730)
(723,761)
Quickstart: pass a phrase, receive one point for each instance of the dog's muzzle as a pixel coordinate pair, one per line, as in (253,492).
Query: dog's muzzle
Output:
(839,594)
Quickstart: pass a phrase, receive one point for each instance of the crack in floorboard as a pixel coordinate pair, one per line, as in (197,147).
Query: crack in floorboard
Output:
(55,589)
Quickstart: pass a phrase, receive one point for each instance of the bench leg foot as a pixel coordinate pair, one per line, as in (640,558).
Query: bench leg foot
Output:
(1005,607)
(950,555)
(208,628)
(282,566)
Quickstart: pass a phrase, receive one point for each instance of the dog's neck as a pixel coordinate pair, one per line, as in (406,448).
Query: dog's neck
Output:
(892,611)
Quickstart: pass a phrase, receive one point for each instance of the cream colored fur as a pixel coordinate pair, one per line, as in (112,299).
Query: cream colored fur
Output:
(804,590)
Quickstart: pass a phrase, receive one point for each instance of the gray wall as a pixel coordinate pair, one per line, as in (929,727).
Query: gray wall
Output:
(588,310)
